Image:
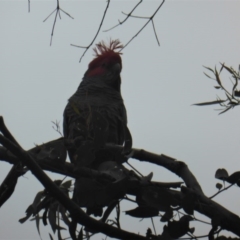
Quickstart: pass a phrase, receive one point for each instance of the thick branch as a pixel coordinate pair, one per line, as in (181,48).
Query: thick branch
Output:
(224,218)
(8,185)
(76,213)
(6,133)
(54,166)
(177,167)
(219,215)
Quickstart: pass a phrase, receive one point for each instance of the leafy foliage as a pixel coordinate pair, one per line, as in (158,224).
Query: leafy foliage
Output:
(232,97)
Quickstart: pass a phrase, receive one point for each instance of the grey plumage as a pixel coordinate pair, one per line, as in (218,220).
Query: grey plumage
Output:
(95,95)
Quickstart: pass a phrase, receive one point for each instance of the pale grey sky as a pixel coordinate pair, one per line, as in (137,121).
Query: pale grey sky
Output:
(159,84)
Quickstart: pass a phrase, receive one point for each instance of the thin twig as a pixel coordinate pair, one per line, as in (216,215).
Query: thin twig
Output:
(86,48)
(155,33)
(129,199)
(57,127)
(195,218)
(134,168)
(118,211)
(153,226)
(196,237)
(224,189)
(128,15)
(58,11)
(134,16)
(149,20)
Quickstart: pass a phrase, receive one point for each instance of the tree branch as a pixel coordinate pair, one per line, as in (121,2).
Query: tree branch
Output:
(150,19)
(223,217)
(219,215)
(76,213)
(86,48)
(8,185)
(127,16)
(177,167)
(58,11)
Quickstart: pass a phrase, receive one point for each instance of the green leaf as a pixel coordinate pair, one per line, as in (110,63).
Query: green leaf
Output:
(149,233)
(37,200)
(208,76)
(80,235)
(72,230)
(210,103)
(233,178)
(225,110)
(177,229)
(143,212)
(37,219)
(221,174)
(67,184)
(167,216)
(63,212)
(237,93)
(44,217)
(228,97)
(229,69)
(209,69)
(219,186)
(191,230)
(50,236)
(217,77)
(59,234)
(221,67)
(52,218)
(29,212)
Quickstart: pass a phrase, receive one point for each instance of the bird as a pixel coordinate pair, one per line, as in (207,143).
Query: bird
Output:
(95,114)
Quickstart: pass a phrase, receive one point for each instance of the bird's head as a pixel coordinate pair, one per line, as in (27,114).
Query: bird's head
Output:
(107,60)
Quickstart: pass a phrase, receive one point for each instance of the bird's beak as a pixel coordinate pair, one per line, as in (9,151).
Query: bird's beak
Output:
(117,68)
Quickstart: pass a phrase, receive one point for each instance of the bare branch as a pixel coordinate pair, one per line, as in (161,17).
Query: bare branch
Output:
(155,33)
(128,15)
(177,167)
(57,128)
(57,10)
(150,19)
(86,48)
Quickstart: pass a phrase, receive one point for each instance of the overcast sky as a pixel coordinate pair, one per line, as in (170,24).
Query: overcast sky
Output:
(159,86)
